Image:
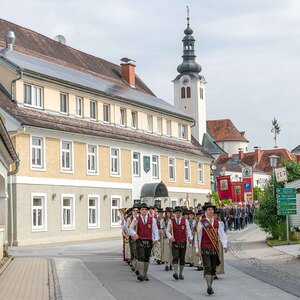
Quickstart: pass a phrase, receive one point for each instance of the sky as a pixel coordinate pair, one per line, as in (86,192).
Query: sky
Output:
(249,51)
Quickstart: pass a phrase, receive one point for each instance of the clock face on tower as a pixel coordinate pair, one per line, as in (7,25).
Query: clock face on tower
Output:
(185,80)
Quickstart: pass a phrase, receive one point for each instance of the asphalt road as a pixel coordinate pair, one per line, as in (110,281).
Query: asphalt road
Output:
(95,270)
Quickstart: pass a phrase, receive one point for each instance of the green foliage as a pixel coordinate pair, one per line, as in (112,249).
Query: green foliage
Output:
(216,200)
(258,193)
(266,216)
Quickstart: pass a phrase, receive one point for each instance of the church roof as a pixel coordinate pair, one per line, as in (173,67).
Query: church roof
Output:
(224,130)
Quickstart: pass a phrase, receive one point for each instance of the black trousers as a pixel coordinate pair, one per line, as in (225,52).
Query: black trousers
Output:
(132,246)
(210,262)
(178,252)
(143,249)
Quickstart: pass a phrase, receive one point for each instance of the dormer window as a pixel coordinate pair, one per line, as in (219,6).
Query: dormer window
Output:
(33,95)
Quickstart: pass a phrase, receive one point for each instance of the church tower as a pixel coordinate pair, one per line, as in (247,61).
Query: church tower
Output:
(189,86)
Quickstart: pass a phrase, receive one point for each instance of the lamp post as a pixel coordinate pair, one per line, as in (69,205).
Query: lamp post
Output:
(213,177)
(273,161)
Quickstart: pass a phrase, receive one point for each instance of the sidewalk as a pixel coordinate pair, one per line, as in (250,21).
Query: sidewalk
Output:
(25,279)
(293,250)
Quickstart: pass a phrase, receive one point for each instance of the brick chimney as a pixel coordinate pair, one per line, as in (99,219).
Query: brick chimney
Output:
(128,71)
(241,153)
(258,153)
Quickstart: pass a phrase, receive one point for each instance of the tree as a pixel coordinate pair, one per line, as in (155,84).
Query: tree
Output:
(266,216)
(276,130)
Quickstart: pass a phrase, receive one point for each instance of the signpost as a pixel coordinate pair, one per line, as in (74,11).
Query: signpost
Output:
(286,204)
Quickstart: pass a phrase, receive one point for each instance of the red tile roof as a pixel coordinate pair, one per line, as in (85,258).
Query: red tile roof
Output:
(249,159)
(41,119)
(224,130)
(37,45)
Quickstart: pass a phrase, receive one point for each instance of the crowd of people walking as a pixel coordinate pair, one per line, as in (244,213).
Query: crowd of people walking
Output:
(180,237)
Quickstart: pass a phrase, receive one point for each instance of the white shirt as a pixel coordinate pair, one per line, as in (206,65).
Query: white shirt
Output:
(221,234)
(187,229)
(155,234)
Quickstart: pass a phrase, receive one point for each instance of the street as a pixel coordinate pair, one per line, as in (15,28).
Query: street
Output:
(95,270)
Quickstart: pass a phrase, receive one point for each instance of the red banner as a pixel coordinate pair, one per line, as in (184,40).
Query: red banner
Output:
(224,187)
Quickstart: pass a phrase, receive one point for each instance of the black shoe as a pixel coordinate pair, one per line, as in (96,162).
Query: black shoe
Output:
(171,268)
(175,276)
(140,278)
(158,262)
(210,291)
(146,278)
(130,265)
(133,269)
(200,268)
(216,277)
(128,262)
(191,264)
(137,272)
(181,277)
(166,268)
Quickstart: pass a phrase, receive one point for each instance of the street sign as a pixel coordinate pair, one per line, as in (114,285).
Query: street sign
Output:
(286,190)
(287,212)
(286,201)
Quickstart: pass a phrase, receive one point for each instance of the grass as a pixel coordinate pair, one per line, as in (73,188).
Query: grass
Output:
(274,242)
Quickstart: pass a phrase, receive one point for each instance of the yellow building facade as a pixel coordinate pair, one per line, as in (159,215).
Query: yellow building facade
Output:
(87,144)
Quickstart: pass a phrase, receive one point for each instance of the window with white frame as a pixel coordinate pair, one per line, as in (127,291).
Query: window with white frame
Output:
(66,156)
(33,95)
(93,211)
(106,113)
(134,119)
(159,126)
(200,172)
(92,159)
(114,161)
(78,106)
(187,171)
(149,123)
(174,203)
(136,161)
(155,166)
(64,103)
(37,153)
(172,169)
(115,213)
(39,217)
(168,128)
(68,212)
(93,110)
(182,131)
(122,116)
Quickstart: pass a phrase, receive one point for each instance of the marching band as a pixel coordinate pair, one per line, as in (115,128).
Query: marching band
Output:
(175,237)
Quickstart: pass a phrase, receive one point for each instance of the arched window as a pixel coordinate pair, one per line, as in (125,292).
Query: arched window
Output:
(188,92)
(182,92)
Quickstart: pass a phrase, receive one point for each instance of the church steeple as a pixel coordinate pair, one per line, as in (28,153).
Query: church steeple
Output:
(189,64)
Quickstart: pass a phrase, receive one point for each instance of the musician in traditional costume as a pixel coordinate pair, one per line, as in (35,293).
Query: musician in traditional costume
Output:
(166,245)
(178,232)
(157,246)
(144,231)
(190,246)
(125,214)
(197,259)
(209,234)
(132,244)
(220,268)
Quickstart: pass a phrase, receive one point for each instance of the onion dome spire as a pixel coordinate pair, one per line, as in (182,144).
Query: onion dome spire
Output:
(189,64)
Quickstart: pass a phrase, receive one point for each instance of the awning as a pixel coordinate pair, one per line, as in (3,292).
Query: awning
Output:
(155,190)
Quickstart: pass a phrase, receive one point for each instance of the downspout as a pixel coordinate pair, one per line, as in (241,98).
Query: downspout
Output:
(12,85)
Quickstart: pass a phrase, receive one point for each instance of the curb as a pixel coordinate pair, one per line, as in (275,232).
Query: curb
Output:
(10,259)
(53,281)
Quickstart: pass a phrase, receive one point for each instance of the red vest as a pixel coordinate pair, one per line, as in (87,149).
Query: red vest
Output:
(144,231)
(205,241)
(179,231)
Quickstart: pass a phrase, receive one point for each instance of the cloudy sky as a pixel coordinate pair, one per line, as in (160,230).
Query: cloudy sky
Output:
(249,51)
